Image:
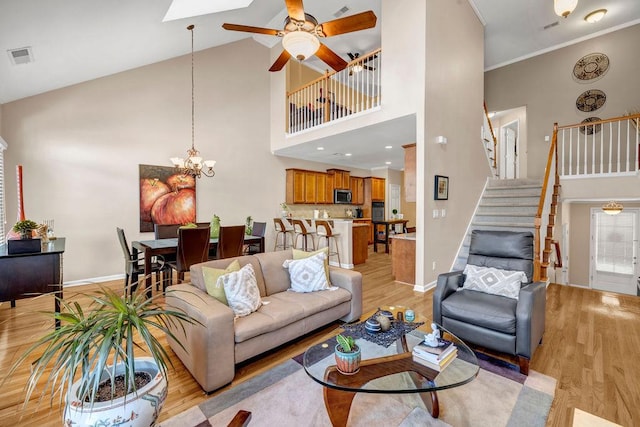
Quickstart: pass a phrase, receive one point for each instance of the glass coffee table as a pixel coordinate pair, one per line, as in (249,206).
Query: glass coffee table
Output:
(387,368)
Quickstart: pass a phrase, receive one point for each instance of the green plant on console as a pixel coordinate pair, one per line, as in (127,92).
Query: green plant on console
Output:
(248,227)
(25,227)
(215,226)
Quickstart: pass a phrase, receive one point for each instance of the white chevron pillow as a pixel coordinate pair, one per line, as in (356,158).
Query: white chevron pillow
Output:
(494,281)
(307,274)
(241,290)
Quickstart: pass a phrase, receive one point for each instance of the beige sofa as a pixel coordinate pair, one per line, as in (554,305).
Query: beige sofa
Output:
(212,351)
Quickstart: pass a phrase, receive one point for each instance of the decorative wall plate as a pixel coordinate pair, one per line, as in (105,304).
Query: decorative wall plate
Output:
(591,66)
(589,130)
(591,100)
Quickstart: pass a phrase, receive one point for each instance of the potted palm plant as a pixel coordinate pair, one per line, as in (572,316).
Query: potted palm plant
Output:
(114,386)
(347,355)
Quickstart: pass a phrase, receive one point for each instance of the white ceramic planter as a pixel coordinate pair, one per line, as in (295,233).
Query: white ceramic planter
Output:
(134,410)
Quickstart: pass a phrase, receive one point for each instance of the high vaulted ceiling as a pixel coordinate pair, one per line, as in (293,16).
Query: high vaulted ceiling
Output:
(78,40)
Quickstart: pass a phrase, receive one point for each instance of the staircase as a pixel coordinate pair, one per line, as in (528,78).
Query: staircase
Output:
(506,204)
(490,143)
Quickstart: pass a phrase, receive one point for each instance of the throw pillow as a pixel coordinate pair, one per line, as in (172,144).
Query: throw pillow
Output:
(494,281)
(299,254)
(307,274)
(210,276)
(241,290)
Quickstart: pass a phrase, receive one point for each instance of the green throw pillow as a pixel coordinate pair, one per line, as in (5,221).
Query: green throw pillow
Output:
(211,276)
(299,254)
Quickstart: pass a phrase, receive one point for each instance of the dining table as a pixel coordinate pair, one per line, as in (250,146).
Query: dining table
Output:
(152,248)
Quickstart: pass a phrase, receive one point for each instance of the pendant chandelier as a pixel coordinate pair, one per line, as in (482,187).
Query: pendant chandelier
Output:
(612,208)
(193,164)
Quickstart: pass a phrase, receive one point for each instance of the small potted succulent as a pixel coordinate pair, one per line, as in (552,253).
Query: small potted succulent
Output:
(284,210)
(395,213)
(25,228)
(347,355)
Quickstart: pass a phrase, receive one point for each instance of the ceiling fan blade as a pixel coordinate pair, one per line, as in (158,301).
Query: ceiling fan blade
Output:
(249,29)
(331,58)
(295,10)
(357,22)
(281,61)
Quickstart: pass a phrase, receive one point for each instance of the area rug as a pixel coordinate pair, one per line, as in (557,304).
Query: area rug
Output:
(287,396)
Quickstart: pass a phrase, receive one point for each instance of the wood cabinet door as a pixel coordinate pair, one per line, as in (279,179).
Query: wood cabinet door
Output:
(310,187)
(295,186)
(321,188)
(377,189)
(357,190)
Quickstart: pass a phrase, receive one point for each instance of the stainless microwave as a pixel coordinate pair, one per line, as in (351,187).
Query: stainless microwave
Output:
(341,196)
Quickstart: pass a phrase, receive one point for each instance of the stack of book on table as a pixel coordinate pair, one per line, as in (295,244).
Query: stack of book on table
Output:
(436,358)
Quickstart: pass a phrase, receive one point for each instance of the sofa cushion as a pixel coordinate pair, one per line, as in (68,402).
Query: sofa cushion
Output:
(241,290)
(485,310)
(493,281)
(197,277)
(283,308)
(211,275)
(307,274)
(276,277)
(300,254)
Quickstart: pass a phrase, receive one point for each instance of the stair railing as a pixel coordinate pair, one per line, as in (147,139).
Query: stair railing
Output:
(493,158)
(546,213)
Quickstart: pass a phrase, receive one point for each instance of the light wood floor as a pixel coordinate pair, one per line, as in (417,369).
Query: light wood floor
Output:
(591,346)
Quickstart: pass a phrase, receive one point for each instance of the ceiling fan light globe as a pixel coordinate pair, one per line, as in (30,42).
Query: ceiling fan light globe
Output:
(300,44)
(564,7)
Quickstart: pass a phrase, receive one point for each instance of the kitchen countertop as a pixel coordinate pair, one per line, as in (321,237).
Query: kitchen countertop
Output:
(405,236)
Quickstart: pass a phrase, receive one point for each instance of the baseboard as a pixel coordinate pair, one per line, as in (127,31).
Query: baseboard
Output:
(426,287)
(93,280)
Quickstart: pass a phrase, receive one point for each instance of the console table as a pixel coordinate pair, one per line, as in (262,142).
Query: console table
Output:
(32,274)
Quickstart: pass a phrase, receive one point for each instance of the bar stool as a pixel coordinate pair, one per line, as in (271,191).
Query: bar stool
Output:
(284,230)
(324,230)
(302,229)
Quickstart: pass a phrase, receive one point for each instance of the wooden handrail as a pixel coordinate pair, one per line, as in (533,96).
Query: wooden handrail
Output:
(493,136)
(547,171)
(558,263)
(328,74)
(600,122)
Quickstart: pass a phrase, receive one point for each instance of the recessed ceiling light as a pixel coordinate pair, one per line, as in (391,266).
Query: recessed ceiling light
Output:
(388,147)
(347,154)
(320,148)
(387,163)
(595,16)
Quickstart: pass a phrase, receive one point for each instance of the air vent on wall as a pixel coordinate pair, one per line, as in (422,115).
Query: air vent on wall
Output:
(22,55)
(553,24)
(341,12)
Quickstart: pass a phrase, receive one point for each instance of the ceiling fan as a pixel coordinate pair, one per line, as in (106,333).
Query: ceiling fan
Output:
(301,33)
(361,65)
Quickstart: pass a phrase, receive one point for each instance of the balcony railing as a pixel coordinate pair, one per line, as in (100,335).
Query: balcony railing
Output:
(600,148)
(336,95)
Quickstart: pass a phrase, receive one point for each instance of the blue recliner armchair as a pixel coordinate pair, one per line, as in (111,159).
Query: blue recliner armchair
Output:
(499,323)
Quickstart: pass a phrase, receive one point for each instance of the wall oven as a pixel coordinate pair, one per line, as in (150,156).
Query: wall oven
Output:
(341,196)
(377,211)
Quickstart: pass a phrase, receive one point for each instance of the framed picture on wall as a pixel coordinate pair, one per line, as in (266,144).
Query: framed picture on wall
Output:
(441,188)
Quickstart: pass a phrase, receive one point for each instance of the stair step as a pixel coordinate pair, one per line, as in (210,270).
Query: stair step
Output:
(520,182)
(501,225)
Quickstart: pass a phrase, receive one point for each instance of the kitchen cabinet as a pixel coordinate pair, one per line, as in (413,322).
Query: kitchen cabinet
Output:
(357,190)
(369,231)
(378,189)
(410,172)
(341,178)
(360,246)
(307,187)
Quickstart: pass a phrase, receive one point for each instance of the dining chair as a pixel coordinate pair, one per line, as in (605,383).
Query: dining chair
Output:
(134,266)
(325,231)
(282,229)
(193,248)
(166,231)
(258,230)
(230,242)
(303,230)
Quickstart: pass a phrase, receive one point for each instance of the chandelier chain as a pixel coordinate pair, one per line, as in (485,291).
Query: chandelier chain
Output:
(193,107)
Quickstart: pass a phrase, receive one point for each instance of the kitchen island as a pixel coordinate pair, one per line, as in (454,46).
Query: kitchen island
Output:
(403,257)
(352,240)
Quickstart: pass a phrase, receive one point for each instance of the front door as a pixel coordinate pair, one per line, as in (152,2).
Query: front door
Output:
(614,251)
